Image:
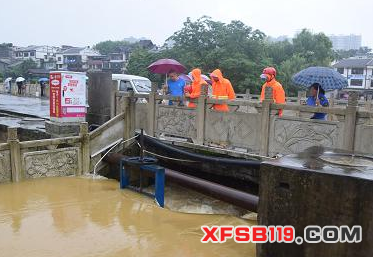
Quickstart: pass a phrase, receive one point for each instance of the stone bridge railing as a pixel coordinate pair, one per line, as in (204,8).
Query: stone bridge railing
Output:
(252,126)
(44,158)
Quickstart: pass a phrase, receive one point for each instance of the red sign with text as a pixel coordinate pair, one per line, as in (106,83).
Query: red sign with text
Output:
(67,94)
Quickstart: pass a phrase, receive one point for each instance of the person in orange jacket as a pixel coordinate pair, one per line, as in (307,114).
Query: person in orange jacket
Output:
(197,83)
(222,90)
(269,76)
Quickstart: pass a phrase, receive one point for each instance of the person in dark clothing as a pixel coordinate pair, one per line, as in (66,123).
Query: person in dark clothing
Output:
(19,85)
(42,88)
(317,98)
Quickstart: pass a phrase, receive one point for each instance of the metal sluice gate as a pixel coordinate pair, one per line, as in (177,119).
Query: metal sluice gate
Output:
(142,165)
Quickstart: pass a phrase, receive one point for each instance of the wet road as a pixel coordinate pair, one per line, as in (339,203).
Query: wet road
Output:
(23,112)
(27,106)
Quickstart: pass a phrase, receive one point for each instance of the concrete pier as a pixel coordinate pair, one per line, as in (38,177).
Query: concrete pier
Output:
(317,187)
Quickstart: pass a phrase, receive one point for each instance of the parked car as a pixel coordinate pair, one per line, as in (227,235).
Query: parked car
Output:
(126,83)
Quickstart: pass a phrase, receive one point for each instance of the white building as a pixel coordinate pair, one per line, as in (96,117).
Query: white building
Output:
(358,71)
(44,56)
(75,58)
(345,42)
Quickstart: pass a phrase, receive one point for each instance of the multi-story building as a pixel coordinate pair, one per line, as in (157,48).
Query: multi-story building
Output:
(358,71)
(75,58)
(43,56)
(345,42)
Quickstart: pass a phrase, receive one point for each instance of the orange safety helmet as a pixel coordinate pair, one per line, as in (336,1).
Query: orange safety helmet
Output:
(270,71)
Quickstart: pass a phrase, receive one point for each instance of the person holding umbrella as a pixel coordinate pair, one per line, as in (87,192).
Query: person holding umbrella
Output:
(197,83)
(321,79)
(43,84)
(20,82)
(175,85)
(317,98)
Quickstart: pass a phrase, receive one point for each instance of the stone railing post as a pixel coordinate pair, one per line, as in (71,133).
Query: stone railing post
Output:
(86,155)
(301,95)
(331,104)
(113,96)
(129,117)
(247,94)
(151,110)
(265,122)
(368,103)
(350,121)
(15,154)
(200,119)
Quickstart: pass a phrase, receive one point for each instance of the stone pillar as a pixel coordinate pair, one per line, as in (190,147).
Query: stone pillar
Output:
(301,95)
(368,104)
(15,154)
(302,190)
(129,117)
(331,104)
(265,122)
(350,121)
(85,151)
(200,120)
(151,110)
(247,94)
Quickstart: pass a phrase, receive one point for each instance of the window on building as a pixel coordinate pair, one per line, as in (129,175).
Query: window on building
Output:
(357,71)
(356,82)
(371,83)
(341,70)
(60,66)
(59,58)
(32,53)
(46,57)
(25,54)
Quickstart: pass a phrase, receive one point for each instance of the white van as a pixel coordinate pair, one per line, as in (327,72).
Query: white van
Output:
(126,83)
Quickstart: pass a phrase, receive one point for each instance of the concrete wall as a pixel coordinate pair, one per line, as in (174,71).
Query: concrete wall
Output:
(32,90)
(257,131)
(100,98)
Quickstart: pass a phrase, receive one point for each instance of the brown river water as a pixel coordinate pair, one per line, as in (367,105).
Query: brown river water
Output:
(87,217)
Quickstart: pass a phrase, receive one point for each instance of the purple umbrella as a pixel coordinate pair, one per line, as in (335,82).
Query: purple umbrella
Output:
(164,66)
(188,78)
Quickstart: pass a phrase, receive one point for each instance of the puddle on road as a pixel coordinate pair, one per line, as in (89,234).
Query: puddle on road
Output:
(91,217)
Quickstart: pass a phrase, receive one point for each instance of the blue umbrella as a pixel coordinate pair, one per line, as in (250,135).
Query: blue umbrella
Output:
(328,78)
(43,80)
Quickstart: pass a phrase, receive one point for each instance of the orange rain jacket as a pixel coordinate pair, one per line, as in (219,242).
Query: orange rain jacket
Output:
(277,90)
(221,90)
(197,83)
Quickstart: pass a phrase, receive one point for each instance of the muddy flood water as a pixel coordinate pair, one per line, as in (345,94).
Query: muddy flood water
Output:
(86,217)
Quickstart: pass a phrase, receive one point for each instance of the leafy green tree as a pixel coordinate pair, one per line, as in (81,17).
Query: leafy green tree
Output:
(109,46)
(239,51)
(315,48)
(287,69)
(343,54)
(22,69)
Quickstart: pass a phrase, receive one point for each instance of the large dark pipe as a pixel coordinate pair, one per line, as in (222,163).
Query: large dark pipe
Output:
(200,157)
(226,194)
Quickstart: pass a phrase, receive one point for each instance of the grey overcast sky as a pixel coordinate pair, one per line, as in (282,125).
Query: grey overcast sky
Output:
(85,22)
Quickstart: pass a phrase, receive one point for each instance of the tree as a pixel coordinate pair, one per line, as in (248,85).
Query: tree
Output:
(287,69)
(315,48)
(109,46)
(239,51)
(21,70)
(343,54)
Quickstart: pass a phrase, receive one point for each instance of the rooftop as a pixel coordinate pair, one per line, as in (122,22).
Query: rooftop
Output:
(354,63)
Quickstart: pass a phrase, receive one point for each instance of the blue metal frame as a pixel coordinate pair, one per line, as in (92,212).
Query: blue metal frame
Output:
(159,180)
